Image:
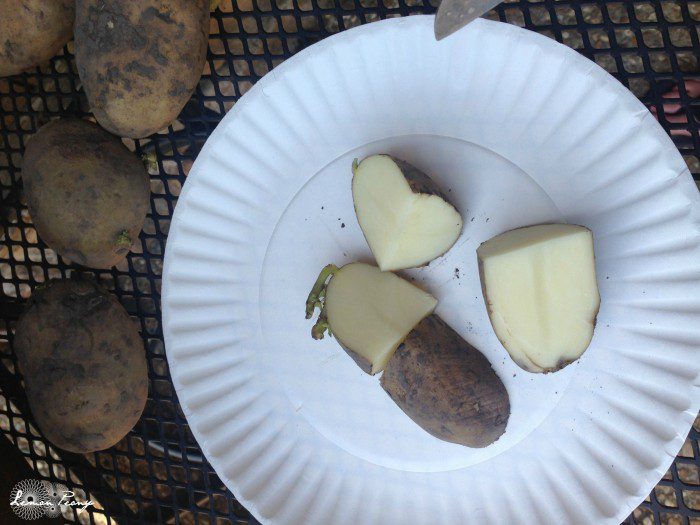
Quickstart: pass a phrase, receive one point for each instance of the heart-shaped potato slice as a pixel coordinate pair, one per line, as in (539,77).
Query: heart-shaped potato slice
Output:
(405,218)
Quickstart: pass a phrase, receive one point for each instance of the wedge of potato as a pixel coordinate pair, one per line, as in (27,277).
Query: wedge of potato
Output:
(447,386)
(405,218)
(385,323)
(541,293)
(370,312)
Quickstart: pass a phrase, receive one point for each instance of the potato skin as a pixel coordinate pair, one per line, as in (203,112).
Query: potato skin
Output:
(83,364)
(33,31)
(140,61)
(360,361)
(419,181)
(447,386)
(87,193)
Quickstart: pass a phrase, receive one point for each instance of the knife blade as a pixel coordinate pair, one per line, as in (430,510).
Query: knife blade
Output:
(455,14)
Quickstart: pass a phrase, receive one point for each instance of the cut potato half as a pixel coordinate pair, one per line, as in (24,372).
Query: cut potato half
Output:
(405,218)
(440,381)
(541,293)
(368,311)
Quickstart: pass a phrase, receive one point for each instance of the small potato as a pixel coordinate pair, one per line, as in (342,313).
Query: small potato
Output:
(84,365)
(87,193)
(447,386)
(140,61)
(33,31)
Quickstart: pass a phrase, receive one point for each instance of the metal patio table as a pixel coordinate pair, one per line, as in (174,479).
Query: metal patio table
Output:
(157,473)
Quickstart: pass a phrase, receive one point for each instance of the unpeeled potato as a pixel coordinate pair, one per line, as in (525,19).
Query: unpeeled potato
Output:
(140,61)
(87,193)
(447,386)
(83,363)
(33,31)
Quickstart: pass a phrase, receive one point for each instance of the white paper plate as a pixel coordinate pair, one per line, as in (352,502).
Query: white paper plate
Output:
(519,130)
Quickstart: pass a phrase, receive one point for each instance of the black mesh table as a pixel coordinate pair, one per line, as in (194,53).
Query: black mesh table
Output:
(157,473)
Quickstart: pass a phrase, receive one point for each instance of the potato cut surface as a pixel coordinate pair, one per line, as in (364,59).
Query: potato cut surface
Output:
(371,312)
(406,220)
(541,293)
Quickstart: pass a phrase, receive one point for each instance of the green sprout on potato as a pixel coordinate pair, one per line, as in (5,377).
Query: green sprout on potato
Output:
(150,160)
(316,299)
(123,239)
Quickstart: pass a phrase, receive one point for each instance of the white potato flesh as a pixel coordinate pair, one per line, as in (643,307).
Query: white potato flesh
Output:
(541,293)
(405,227)
(371,312)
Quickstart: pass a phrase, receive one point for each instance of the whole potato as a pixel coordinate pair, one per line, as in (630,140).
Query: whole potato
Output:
(447,386)
(33,31)
(87,193)
(140,61)
(83,364)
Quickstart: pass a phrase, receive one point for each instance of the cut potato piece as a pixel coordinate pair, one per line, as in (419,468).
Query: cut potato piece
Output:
(405,218)
(447,386)
(541,293)
(369,312)
(440,381)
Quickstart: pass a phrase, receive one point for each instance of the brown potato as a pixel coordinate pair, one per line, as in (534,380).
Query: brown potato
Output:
(447,386)
(83,364)
(87,193)
(140,61)
(33,31)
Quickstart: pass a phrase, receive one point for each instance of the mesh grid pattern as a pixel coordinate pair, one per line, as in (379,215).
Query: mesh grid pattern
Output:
(157,474)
